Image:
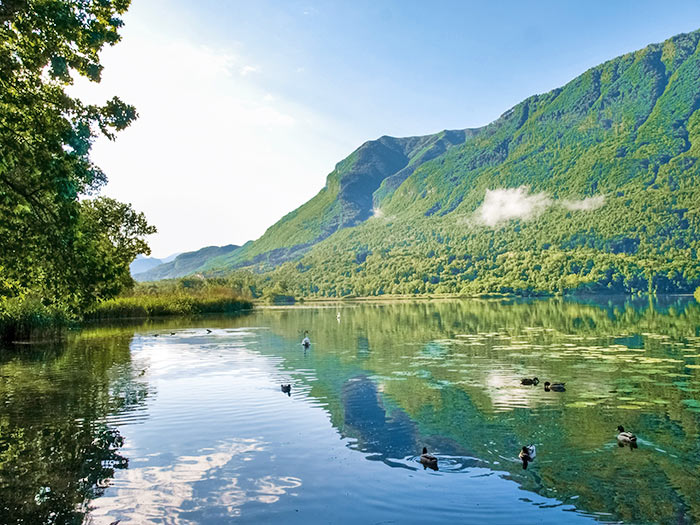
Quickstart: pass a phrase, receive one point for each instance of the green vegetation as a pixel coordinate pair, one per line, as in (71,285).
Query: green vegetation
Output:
(697,294)
(60,252)
(175,297)
(607,164)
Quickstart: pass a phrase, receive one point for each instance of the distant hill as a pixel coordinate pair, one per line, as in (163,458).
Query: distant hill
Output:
(183,264)
(143,263)
(594,186)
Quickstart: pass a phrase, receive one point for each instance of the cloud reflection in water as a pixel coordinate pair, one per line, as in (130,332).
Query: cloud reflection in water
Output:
(166,494)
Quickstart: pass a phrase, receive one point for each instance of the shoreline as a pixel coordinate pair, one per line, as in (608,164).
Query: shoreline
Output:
(259,303)
(34,333)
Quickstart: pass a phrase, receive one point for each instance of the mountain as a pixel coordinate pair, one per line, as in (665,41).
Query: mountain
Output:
(591,187)
(143,263)
(182,264)
(353,190)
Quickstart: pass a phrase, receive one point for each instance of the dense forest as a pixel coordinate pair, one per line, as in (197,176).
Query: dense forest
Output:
(592,187)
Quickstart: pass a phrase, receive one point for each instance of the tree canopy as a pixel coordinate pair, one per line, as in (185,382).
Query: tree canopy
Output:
(55,242)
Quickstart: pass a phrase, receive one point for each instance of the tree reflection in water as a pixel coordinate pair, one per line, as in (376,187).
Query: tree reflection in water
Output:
(56,452)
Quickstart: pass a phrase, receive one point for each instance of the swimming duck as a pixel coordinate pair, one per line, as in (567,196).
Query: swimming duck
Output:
(527,454)
(287,389)
(626,438)
(528,381)
(554,387)
(428,460)
(306,342)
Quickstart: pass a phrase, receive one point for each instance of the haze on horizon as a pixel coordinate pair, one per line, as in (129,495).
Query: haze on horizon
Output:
(245,109)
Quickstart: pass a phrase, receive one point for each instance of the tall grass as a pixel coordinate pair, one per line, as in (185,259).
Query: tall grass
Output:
(23,318)
(27,317)
(143,305)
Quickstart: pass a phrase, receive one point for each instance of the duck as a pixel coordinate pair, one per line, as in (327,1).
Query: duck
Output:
(306,342)
(527,454)
(626,438)
(554,387)
(287,389)
(528,381)
(428,460)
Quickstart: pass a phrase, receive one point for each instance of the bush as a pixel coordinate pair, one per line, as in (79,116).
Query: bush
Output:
(280,299)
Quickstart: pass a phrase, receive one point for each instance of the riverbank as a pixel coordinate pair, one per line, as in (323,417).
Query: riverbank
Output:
(437,297)
(30,319)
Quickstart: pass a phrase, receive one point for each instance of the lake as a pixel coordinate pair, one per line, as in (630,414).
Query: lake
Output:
(184,420)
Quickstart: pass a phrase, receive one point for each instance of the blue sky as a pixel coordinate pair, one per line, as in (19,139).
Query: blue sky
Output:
(246,106)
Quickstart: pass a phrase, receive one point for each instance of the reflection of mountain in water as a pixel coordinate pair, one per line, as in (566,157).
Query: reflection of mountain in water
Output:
(377,432)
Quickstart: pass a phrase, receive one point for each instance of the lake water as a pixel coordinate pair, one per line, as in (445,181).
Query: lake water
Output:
(166,422)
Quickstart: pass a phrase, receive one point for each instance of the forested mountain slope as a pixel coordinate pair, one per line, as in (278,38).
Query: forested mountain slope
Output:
(592,186)
(369,174)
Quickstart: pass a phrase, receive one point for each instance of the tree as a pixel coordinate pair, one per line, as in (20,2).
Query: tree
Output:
(109,236)
(45,141)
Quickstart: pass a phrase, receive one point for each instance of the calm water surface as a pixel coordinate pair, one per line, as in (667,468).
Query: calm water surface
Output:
(168,423)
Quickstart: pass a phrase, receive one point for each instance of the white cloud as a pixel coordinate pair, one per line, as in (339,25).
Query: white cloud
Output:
(248,69)
(504,204)
(511,203)
(587,204)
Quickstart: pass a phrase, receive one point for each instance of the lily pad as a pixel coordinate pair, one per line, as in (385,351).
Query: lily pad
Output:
(581,404)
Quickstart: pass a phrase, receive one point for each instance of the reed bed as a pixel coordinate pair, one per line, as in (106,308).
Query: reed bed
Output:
(144,306)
